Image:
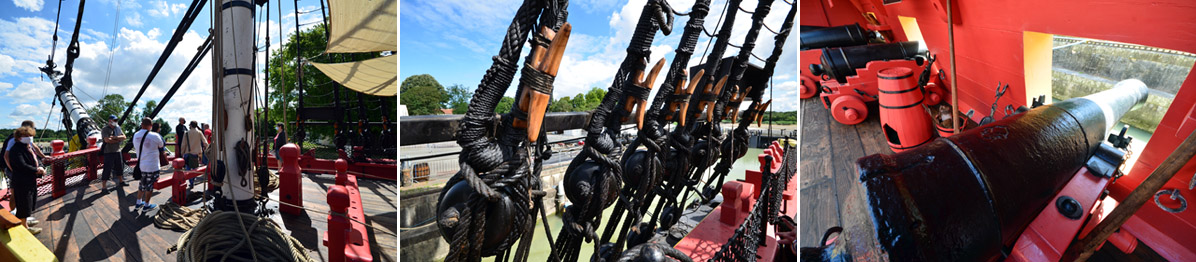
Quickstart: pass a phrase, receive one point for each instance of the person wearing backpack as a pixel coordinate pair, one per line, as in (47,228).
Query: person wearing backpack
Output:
(193,144)
(113,162)
(148,145)
(8,143)
(25,169)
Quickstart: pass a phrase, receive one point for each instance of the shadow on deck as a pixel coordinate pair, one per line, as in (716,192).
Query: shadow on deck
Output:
(92,224)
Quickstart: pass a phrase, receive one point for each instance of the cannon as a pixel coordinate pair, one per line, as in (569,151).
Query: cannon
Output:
(840,63)
(969,196)
(836,36)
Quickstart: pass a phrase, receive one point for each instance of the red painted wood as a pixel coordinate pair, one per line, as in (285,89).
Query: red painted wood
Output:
(1050,233)
(346,238)
(989,49)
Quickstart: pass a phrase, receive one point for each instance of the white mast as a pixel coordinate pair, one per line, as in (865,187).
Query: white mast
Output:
(234,97)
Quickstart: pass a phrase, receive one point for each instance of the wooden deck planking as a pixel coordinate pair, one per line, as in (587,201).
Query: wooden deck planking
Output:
(88,224)
(817,186)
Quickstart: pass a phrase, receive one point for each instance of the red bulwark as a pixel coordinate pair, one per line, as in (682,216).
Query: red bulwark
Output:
(989,48)
(712,233)
(346,238)
(290,187)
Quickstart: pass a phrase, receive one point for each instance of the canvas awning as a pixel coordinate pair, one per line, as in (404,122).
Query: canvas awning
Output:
(376,76)
(362,26)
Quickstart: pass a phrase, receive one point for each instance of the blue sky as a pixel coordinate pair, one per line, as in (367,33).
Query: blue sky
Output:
(453,40)
(142,31)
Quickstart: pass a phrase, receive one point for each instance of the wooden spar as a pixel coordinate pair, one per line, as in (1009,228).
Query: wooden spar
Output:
(1085,247)
(954,90)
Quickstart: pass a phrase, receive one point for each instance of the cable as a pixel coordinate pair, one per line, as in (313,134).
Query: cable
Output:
(111,54)
(52,104)
(718,24)
(745,10)
(774,32)
(54,46)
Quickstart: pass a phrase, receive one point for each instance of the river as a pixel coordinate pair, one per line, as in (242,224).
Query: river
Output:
(540,248)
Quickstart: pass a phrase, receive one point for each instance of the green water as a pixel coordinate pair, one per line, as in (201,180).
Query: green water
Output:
(540,248)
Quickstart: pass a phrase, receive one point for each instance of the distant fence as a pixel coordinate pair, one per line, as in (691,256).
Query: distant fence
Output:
(442,166)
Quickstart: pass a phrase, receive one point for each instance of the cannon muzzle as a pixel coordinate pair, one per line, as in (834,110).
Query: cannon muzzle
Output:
(969,196)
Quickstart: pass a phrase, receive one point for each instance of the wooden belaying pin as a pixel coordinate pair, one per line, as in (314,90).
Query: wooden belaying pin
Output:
(681,107)
(548,61)
(736,97)
(760,112)
(635,102)
(708,106)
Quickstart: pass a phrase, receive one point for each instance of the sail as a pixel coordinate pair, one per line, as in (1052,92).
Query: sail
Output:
(376,76)
(362,26)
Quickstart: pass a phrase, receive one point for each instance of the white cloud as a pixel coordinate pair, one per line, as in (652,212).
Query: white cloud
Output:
(159,9)
(177,8)
(164,9)
(32,90)
(31,5)
(134,19)
(29,112)
(6,63)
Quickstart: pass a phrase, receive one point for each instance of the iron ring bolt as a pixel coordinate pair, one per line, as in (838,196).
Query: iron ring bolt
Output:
(1183,203)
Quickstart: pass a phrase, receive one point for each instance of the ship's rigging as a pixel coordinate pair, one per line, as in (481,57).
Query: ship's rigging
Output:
(500,173)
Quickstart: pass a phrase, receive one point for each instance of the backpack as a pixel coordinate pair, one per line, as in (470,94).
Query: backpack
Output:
(137,167)
(4,150)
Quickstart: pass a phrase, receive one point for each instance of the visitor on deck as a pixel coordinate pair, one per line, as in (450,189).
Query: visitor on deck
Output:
(207,134)
(279,140)
(11,139)
(113,162)
(147,144)
(179,136)
(26,168)
(193,145)
(207,131)
(8,143)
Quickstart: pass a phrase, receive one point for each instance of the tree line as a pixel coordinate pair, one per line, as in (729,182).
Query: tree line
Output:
(423,95)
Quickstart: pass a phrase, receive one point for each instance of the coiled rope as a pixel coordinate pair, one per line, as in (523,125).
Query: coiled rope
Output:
(172,216)
(209,240)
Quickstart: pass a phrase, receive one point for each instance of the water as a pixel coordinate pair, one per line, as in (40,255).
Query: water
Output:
(540,248)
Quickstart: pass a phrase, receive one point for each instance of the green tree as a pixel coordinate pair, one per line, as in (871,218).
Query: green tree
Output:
(589,100)
(422,95)
(166,127)
(578,102)
(561,105)
(112,105)
(594,97)
(318,89)
(504,105)
(458,98)
(419,80)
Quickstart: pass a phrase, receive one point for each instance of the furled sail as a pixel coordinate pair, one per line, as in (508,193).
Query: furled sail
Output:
(362,26)
(374,76)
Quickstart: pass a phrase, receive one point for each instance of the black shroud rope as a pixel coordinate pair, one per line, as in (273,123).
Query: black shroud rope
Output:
(497,168)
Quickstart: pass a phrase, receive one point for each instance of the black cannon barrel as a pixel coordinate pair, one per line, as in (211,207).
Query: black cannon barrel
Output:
(968,196)
(835,36)
(839,63)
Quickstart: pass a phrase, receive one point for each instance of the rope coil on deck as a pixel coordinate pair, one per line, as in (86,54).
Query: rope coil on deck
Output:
(178,218)
(217,238)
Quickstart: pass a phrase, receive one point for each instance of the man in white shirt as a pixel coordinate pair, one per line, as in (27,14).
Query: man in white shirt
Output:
(147,144)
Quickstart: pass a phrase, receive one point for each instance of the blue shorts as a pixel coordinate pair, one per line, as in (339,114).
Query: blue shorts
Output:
(148,179)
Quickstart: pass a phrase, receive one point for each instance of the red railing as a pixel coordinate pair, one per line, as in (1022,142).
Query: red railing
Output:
(346,239)
(60,177)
